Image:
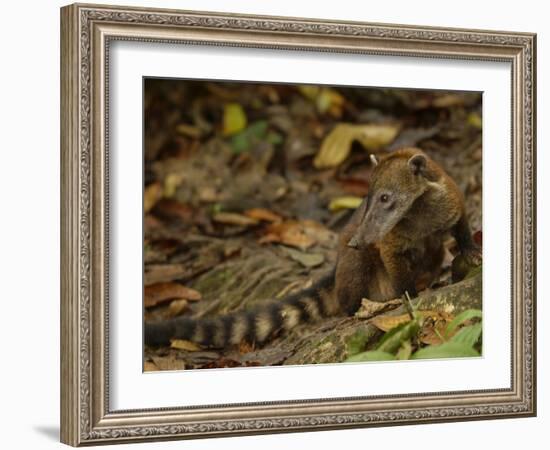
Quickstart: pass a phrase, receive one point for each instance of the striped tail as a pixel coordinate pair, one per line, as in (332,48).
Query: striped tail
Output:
(254,326)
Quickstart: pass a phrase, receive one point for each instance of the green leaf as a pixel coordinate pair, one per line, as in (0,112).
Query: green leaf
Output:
(356,343)
(374,355)
(445,350)
(274,138)
(240,143)
(461,318)
(394,338)
(257,129)
(468,335)
(404,351)
(473,272)
(254,133)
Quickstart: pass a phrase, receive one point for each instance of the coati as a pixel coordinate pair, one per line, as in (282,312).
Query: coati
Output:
(393,241)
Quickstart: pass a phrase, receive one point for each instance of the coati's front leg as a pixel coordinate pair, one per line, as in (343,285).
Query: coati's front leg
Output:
(468,248)
(400,270)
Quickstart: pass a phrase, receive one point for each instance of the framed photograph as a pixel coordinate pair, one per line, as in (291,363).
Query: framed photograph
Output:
(276,225)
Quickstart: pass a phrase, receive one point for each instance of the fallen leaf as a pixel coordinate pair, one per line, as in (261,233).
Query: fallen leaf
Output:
(290,233)
(151,195)
(149,366)
(177,307)
(228,218)
(182,344)
(189,130)
(337,145)
(234,119)
(306,259)
(474,119)
(208,194)
(326,99)
(162,292)
(346,202)
(263,214)
(253,134)
(387,323)
(171,183)
(169,209)
(370,308)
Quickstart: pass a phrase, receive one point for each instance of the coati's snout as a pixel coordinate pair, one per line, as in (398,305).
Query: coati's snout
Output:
(384,211)
(395,185)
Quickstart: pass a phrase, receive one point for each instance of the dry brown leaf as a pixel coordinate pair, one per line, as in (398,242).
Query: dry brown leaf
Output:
(189,130)
(337,145)
(169,209)
(386,323)
(182,344)
(228,218)
(434,329)
(290,233)
(149,366)
(263,214)
(151,195)
(162,292)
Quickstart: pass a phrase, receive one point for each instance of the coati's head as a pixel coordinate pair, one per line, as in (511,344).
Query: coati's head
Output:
(397,181)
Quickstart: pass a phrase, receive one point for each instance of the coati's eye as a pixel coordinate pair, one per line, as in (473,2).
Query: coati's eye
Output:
(384,198)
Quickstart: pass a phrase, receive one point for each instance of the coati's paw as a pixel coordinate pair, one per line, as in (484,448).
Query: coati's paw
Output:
(472,256)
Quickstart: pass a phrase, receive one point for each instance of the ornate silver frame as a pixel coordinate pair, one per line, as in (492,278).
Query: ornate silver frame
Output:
(86,31)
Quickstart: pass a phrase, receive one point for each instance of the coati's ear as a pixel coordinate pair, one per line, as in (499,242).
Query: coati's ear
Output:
(373,160)
(417,164)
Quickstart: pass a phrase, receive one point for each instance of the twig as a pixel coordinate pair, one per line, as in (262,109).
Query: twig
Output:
(407,303)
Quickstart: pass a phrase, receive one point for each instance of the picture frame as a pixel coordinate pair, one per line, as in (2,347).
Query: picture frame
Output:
(87,32)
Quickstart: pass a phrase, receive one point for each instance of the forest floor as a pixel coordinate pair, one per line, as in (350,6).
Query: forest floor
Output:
(247,186)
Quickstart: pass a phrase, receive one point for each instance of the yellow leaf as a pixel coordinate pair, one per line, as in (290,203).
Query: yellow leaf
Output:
(346,202)
(234,119)
(474,119)
(151,196)
(177,307)
(182,344)
(337,145)
(326,99)
(171,183)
